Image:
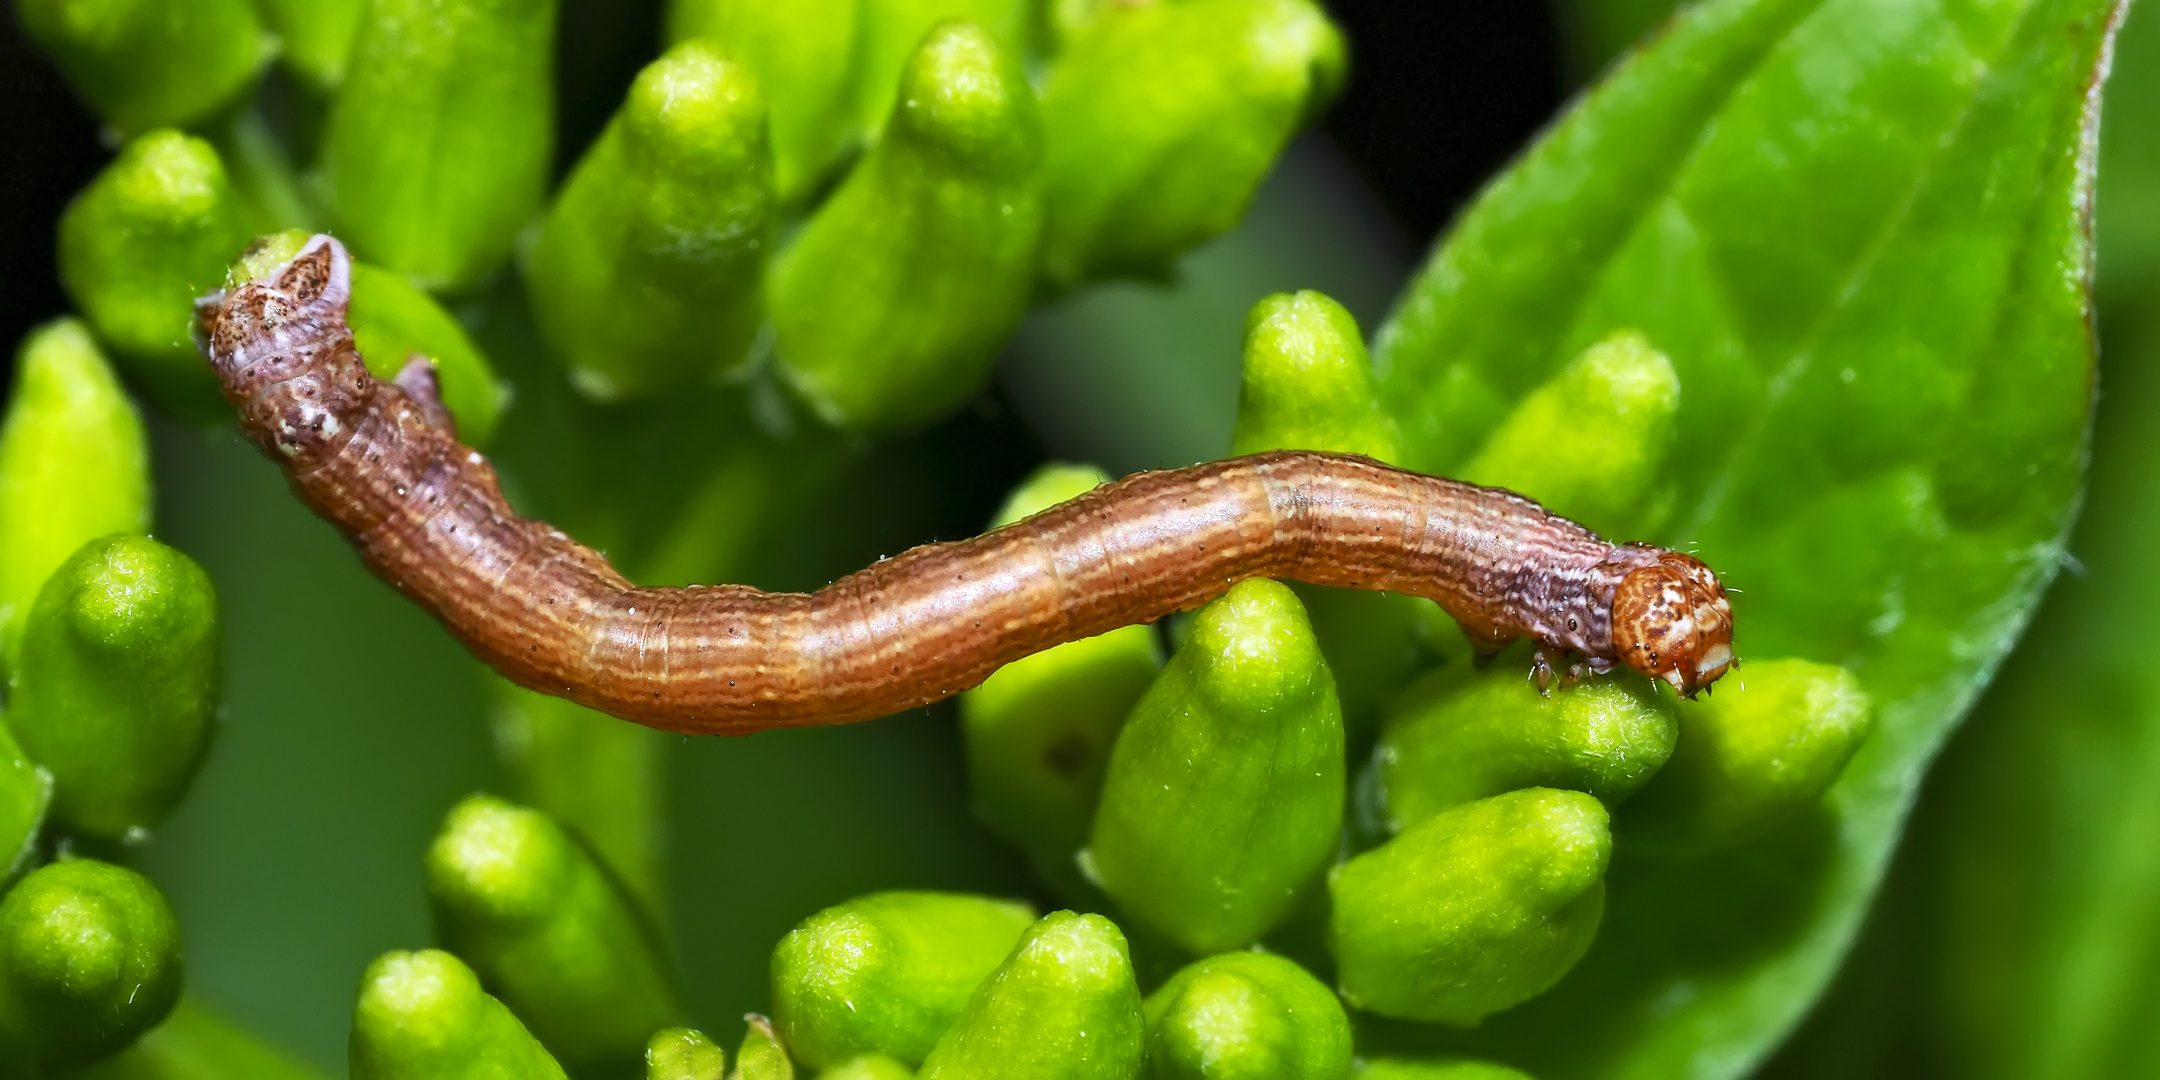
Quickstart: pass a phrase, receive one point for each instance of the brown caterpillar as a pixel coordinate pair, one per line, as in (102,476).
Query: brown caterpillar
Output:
(381,460)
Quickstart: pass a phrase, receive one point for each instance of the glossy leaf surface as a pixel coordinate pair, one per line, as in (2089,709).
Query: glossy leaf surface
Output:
(2018,934)
(1857,229)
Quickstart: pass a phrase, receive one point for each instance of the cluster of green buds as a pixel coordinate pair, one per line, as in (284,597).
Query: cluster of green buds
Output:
(1217,804)
(1305,809)
(859,198)
(844,204)
(110,645)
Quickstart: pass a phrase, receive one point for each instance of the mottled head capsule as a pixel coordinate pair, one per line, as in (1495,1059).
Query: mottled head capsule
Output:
(1670,621)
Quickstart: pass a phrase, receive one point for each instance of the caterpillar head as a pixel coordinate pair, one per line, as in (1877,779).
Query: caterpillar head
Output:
(1670,621)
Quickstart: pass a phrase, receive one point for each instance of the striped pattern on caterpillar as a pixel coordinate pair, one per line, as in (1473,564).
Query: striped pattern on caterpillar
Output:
(382,461)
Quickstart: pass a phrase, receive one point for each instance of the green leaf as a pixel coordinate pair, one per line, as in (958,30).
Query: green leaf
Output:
(1857,228)
(2025,904)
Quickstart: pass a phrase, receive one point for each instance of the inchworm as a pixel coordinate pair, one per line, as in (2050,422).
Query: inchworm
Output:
(381,461)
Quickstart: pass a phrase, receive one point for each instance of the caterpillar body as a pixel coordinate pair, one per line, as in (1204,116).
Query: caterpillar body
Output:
(382,461)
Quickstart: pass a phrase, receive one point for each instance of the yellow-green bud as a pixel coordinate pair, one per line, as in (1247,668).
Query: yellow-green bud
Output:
(804,53)
(117,688)
(1163,118)
(1592,442)
(887,973)
(1456,738)
(73,466)
(1764,747)
(150,235)
(647,273)
(422,1016)
(1063,1006)
(148,63)
(1474,910)
(89,961)
(679,1053)
(1224,796)
(1308,382)
(1244,1016)
(892,304)
(436,149)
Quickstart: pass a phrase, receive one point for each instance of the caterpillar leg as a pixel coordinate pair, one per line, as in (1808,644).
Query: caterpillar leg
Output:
(420,383)
(1547,666)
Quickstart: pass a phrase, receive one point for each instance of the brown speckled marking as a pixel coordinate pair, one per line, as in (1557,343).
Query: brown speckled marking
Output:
(427,516)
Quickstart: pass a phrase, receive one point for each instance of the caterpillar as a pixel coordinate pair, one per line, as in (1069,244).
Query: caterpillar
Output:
(381,460)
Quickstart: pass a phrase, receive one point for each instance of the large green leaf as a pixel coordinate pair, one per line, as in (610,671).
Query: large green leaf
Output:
(2020,931)
(1858,227)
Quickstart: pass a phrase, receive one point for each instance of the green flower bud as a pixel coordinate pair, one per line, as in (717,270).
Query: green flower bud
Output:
(89,961)
(1164,118)
(804,55)
(604,780)
(869,1067)
(892,304)
(683,1054)
(423,1016)
(891,30)
(1039,730)
(1458,1069)
(317,35)
(117,689)
(1765,747)
(196,1044)
(1474,910)
(549,933)
(1592,442)
(761,1057)
(1063,1006)
(152,233)
(887,973)
(73,466)
(150,63)
(1309,386)
(1063,21)
(436,149)
(25,794)
(1456,738)
(1308,382)
(647,274)
(391,321)
(1246,1016)
(1224,796)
